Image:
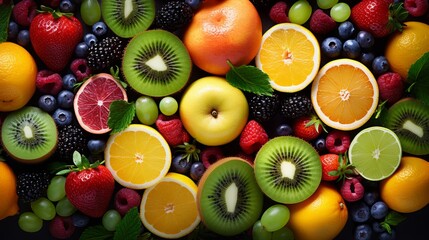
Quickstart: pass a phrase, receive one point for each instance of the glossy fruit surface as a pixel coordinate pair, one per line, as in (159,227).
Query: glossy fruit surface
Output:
(275,217)
(9,203)
(43,208)
(146,110)
(30,222)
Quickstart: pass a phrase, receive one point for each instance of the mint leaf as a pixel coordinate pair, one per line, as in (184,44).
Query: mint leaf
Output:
(121,115)
(250,79)
(5,11)
(392,219)
(97,232)
(129,227)
(418,76)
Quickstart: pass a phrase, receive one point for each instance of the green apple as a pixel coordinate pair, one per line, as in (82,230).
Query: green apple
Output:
(213,111)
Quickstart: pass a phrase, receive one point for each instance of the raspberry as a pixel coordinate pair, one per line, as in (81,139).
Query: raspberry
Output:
(172,130)
(391,87)
(252,137)
(210,155)
(352,190)
(278,12)
(321,23)
(125,199)
(80,69)
(61,227)
(49,82)
(416,8)
(24,12)
(337,141)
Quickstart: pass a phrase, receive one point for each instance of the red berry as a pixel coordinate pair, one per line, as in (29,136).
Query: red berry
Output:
(125,199)
(330,163)
(210,155)
(391,87)
(352,190)
(321,23)
(416,8)
(49,82)
(171,128)
(24,12)
(61,227)
(80,69)
(337,141)
(278,12)
(253,137)
(307,127)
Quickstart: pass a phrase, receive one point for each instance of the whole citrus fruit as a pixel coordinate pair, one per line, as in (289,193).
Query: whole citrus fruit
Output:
(18,72)
(406,47)
(9,198)
(321,216)
(407,189)
(223,30)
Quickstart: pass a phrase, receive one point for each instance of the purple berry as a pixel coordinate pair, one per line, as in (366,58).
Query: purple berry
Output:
(360,212)
(332,47)
(379,210)
(96,146)
(180,164)
(65,99)
(47,103)
(69,80)
(351,49)
(197,170)
(80,220)
(125,199)
(363,232)
(62,117)
(61,227)
(99,29)
(365,39)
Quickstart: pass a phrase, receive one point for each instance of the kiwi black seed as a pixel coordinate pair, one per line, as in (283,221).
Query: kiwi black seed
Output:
(156,63)
(288,169)
(409,119)
(29,135)
(128,18)
(229,199)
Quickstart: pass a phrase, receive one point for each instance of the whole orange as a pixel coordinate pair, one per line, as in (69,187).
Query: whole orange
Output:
(18,72)
(223,30)
(9,198)
(407,190)
(322,216)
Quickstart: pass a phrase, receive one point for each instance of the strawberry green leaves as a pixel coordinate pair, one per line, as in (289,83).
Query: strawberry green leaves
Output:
(418,76)
(250,79)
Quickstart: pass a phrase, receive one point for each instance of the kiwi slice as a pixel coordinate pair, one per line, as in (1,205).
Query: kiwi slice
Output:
(288,169)
(126,18)
(29,135)
(156,63)
(409,119)
(229,199)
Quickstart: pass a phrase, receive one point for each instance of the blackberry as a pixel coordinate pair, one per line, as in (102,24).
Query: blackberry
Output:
(105,53)
(174,15)
(263,108)
(70,138)
(32,184)
(296,105)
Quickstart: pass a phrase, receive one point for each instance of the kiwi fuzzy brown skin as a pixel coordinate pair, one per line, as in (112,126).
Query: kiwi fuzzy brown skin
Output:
(209,201)
(409,119)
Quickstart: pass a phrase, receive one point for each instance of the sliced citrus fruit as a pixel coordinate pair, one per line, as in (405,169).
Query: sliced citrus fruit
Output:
(169,209)
(290,55)
(138,157)
(92,102)
(344,94)
(375,152)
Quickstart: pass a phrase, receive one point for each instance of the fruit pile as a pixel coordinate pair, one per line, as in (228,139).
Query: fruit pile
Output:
(213,119)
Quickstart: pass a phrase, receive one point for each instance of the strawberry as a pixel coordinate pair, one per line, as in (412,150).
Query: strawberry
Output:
(54,36)
(321,23)
(252,137)
(378,17)
(89,187)
(307,127)
(334,167)
(171,128)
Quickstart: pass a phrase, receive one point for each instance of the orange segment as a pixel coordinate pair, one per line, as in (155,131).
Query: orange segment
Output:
(290,55)
(169,208)
(344,94)
(138,157)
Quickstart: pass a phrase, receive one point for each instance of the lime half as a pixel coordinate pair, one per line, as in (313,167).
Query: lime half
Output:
(375,152)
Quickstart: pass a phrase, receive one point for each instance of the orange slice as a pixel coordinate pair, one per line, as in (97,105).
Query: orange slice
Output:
(344,94)
(169,208)
(290,55)
(138,157)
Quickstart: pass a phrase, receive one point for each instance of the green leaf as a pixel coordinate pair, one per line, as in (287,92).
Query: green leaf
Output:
(394,218)
(129,227)
(97,232)
(121,115)
(250,79)
(77,158)
(5,11)
(418,76)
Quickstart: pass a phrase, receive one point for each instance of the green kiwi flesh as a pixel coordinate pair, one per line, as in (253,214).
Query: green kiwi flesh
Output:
(229,199)
(29,135)
(288,169)
(126,18)
(409,119)
(156,63)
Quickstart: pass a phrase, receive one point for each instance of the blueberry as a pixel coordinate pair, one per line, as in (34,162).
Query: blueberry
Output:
(360,212)
(69,80)
(23,38)
(377,228)
(62,117)
(90,39)
(195,4)
(363,232)
(13,30)
(197,170)
(370,197)
(179,164)
(332,47)
(80,220)
(81,50)
(366,58)
(379,210)
(387,236)
(320,144)
(65,99)
(47,103)
(351,49)
(365,39)
(346,30)
(96,146)
(67,6)
(284,129)
(380,65)
(99,29)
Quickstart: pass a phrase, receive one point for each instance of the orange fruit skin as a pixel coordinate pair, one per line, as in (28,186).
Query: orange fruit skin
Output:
(407,190)
(406,47)
(9,198)
(322,216)
(223,30)
(18,72)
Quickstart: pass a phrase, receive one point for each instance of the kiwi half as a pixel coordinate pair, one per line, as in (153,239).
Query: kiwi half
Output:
(288,169)
(156,63)
(229,199)
(29,135)
(127,18)
(409,119)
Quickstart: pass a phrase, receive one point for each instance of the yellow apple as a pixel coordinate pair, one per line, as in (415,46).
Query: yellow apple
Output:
(213,111)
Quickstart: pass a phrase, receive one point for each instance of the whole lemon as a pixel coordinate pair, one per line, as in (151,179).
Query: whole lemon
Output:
(9,198)
(407,190)
(18,72)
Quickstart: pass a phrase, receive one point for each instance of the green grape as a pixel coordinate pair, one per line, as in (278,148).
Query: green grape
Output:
(146,110)
(300,12)
(43,208)
(168,106)
(110,219)
(56,188)
(283,233)
(275,217)
(259,232)
(340,12)
(30,222)
(65,208)
(326,4)
(90,12)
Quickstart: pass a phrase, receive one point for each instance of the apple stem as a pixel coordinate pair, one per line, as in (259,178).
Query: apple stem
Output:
(214,113)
